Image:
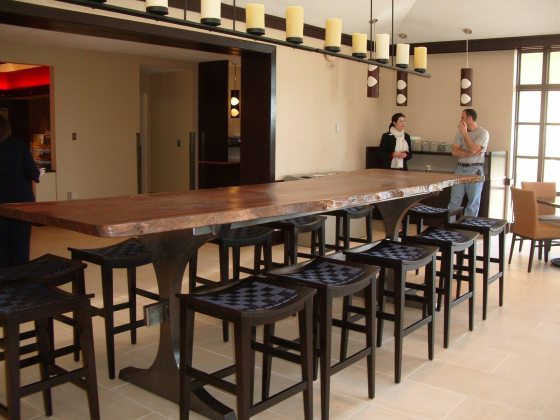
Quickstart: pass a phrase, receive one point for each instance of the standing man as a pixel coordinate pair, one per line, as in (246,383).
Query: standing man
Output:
(469,146)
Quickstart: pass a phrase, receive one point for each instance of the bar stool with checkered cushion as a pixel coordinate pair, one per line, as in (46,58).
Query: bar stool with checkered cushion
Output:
(258,236)
(400,258)
(247,304)
(452,242)
(434,216)
(488,228)
(30,300)
(342,225)
(291,228)
(128,254)
(56,271)
(331,278)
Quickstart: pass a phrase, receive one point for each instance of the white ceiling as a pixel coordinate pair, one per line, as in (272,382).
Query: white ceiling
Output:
(421,20)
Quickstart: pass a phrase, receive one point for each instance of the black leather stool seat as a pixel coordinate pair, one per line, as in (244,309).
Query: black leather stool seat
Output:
(400,258)
(258,236)
(488,228)
(451,242)
(247,304)
(332,278)
(128,254)
(434,215)
(26,300)
(342,225)
(56,271)
(291,228)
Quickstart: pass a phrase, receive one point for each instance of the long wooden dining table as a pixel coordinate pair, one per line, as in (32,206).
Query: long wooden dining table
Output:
(172,226)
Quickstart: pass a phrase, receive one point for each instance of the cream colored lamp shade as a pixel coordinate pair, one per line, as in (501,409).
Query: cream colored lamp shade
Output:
(294,24)
(403,52)
(382,48)
(211,12)
(420,59)
(333,34)
(159,7)
(373,81)
(254,18)
(359,45)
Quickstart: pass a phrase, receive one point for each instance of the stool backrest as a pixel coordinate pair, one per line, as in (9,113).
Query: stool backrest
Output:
(525,212)
(542,190)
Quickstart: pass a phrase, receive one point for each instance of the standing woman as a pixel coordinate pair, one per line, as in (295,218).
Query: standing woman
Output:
(17,171)
(395,148)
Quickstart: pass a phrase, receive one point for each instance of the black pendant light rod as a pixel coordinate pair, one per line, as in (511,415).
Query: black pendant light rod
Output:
(225,31)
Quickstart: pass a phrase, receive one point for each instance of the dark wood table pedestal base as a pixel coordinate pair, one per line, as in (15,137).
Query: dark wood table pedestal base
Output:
(170,253)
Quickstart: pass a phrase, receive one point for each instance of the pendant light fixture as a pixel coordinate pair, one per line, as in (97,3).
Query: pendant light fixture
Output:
(373,70)
(402,88)
(234,97)
(466,76)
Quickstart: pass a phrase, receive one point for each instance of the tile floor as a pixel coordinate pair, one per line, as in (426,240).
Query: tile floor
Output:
(508,367)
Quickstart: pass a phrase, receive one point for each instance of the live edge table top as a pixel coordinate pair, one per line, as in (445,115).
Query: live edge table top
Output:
(162,212)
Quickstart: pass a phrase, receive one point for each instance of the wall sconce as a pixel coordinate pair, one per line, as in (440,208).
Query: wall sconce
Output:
(402,88)
(158,7)
(211,12)
(466,76)
(234,110)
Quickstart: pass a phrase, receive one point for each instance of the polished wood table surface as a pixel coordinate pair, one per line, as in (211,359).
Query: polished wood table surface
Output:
(173,226)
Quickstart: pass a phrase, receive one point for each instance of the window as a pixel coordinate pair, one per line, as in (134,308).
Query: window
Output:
(537,121)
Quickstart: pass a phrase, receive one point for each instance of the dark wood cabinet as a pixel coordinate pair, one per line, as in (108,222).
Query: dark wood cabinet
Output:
(493,199)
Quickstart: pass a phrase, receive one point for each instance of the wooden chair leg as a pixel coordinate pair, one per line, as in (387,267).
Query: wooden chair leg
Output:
(46,357)
(108,316)
(11,354)
(370,338)
(511,248)
(88,356)
(447,271)
(131,278)
(346,302)
(242,360)
(399,321)
(224,276)
(305,319)
(485,273)
(531,253)
(186,354)
(429,296)
(325,326)
(267,361)
(472,281)
(501,256)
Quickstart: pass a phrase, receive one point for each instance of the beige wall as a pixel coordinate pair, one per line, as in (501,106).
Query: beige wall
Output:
(313,97)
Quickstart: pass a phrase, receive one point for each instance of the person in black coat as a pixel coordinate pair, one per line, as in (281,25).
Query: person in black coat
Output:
(395,147)
(17,171)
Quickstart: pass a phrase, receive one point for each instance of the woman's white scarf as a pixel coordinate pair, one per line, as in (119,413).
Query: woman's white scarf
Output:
(400,146)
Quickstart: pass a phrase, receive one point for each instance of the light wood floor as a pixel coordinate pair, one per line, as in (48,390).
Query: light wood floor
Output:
(508,367)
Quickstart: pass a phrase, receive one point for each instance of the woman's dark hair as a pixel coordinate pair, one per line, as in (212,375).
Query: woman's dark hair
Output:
(5,128)
(395,118)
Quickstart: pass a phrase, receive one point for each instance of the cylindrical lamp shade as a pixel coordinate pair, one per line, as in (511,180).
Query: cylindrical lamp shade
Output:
(211,12)
(420,59)
(359,45)
(234,102)
(333,34)
(466,87)
(403,52)
(402,88)
(294,24)
(254,18)
(373,81)
(159,7)
(382,48)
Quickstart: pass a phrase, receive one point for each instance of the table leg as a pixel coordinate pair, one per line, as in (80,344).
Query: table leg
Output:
(393,211)
(170,253)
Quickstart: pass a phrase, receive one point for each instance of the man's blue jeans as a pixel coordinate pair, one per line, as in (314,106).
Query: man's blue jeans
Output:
(473,191)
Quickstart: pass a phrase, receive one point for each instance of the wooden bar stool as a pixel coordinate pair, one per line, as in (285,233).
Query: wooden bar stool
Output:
(400,258)
(128,254)
(331,278)
(291,228)
(55,271)
(488,228)
(247,304)
(258,236)
(27,300)
(434,216)
(342,225)
(451,242)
